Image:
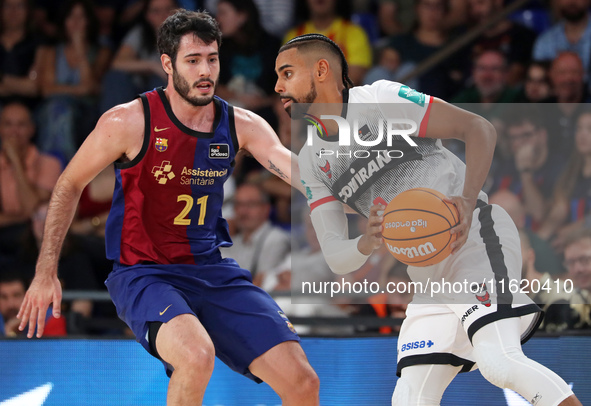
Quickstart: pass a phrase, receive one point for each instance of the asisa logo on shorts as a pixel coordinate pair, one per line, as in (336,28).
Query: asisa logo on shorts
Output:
(411,252)
(219,151)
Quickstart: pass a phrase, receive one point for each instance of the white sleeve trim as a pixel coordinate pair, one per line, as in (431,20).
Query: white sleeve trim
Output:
(341,253)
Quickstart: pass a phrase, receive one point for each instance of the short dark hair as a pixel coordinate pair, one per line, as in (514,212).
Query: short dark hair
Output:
(308,42)
(520,114)
(577,235)
(183,22)
(12,275)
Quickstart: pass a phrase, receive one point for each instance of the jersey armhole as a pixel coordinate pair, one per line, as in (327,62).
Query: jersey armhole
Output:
(232,124)
(425,121)
(147,133)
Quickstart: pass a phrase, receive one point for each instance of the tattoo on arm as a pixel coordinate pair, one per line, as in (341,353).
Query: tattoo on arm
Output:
(278,171)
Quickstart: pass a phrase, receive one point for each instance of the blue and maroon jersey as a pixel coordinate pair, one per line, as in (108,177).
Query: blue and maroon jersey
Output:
(167,203)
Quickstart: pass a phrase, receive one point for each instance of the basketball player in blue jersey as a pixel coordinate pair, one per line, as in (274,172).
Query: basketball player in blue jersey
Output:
(464,332)
(173,149)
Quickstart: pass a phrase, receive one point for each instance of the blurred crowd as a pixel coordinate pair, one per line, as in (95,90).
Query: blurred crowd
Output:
(65,62)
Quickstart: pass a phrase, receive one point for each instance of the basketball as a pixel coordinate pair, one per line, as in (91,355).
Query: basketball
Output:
(416,227)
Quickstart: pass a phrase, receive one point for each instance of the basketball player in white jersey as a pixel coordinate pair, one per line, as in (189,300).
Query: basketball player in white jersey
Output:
(483,329)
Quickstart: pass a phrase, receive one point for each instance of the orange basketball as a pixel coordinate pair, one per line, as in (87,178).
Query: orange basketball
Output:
(416,227)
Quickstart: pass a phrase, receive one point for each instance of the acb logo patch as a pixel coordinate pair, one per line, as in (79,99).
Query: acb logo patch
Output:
(219,151)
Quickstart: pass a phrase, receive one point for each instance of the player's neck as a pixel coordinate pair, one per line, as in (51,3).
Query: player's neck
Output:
(330,94)
(198,118)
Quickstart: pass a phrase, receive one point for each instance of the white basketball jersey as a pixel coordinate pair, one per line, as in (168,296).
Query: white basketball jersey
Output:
(358,175)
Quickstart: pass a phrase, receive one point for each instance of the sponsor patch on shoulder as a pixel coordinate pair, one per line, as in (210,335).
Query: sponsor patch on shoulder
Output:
(412,95)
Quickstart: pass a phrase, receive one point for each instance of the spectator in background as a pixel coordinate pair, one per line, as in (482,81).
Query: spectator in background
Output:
(490,87)
(88,226)
(12,294)
(546,259)
(428,36)
(46,17)
(513,40)
(27,177)
(561,308)
(389,66)
(353,40)
(276,16)
(533,168)
(304,265)
(395,16)
(536,88)
(247,78)
(572,33)
(577,258)
(75,269)
(572,195)
(258,246)
(70,81)
(19,53)
(136,67)
(568,79)
(490,74)
(569,94)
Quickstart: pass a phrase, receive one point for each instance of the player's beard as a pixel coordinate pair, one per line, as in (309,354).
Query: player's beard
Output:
(183,88)
(309,98)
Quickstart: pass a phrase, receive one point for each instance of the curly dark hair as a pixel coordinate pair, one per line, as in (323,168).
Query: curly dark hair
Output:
(183,22)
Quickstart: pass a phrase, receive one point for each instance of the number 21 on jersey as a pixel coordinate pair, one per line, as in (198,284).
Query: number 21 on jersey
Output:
(182,219)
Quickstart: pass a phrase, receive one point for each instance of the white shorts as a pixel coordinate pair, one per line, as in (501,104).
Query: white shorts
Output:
(476,286)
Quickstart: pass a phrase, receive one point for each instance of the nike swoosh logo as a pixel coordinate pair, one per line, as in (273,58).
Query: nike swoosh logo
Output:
(164,311)
(35,397)
(157,130)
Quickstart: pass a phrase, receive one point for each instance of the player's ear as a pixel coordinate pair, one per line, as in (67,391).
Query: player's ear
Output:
(166,63)
(322,69)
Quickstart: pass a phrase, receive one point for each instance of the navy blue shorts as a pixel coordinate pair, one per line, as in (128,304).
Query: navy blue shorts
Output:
(242,320)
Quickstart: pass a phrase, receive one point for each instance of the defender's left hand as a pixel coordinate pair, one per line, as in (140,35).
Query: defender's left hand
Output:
(465,208)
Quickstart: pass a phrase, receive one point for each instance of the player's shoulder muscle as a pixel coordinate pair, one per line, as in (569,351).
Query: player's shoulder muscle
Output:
(118,133)
(122,127)
(251,127)
(124,119)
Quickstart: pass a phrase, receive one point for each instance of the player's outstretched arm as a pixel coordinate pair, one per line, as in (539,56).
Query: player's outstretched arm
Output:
(448,121)
(118,133)
(257,137)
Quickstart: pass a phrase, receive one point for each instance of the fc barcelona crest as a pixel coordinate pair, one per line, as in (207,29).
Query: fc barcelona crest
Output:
(161,144)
